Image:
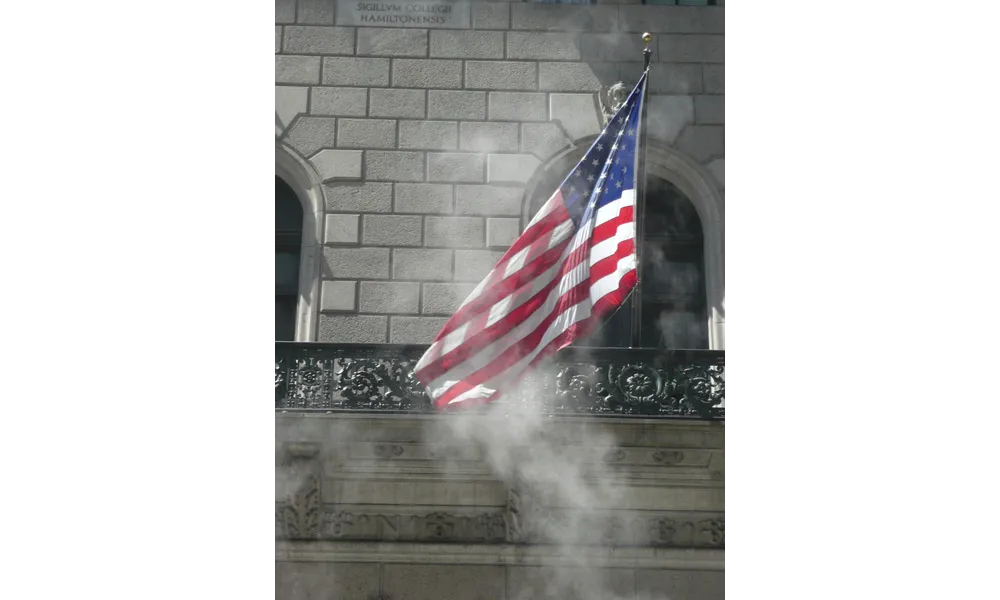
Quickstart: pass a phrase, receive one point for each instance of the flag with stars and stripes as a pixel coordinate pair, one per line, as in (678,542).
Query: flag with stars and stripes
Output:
(572,267)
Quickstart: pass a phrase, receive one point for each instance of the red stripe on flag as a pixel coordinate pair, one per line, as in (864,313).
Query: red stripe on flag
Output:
(609,264)
(503,288)
(475,343)
(608,228)
(614,299)
(521,348)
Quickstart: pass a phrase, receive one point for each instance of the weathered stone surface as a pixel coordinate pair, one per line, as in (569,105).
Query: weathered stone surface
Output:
(428,135)
(578,114)
(501,233)
(531,583)
(351,329)
(715,79)
(366,133)
(667,116)
(415,330)
(277,39)
(391,230)
(488,200)
(315,12)
(425,198)
(453,232)
(543,46)
(718,170)
(680,585)
(319,40)
(421,265)
(616,47)
(444,298)
(352,263)
(489,137)
(692,48)
(447,104)
(343,70)
(311,580)
(473,265)
(391,102)
(666,78)
(517,106)
(338,101)
(389,297)
(710,110)
(457,167)
(309,134)
(575,77)
(426,73)
(543,139)
(383,165)
(340,229)
(672,19)
(284,11)
(500,75)
(337,164)
(702,142)
(466,44)
(289,102)
(360,197)
(510,168)
(389,41)
(338,296)
(296,69)
(564,17)
(491,16)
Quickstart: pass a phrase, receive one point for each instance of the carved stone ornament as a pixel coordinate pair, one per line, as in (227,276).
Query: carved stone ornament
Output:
(388,450)
(612,99)
(300,516)
(668,457)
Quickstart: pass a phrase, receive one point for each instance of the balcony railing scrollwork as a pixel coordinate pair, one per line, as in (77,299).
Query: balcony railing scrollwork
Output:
(605,381)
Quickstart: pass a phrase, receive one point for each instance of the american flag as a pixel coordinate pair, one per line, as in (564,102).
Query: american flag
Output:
(572,266)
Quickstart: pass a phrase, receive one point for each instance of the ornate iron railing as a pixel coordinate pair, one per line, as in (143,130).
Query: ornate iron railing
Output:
(606,381)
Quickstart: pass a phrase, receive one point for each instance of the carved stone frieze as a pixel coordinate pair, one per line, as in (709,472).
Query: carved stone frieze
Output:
(432,527)
(511,525)
(529,521)
(706,533)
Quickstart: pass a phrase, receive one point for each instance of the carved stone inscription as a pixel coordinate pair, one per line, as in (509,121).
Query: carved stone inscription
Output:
(442,14)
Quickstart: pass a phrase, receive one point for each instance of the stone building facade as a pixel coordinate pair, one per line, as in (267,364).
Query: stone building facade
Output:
(412,145)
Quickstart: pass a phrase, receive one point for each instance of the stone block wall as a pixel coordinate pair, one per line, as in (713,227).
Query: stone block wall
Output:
(427,139)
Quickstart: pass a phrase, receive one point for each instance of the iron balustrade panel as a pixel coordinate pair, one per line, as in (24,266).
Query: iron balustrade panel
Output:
(605,381)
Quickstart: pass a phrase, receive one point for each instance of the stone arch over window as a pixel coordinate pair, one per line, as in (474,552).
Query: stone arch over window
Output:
(690,200)
(304,182)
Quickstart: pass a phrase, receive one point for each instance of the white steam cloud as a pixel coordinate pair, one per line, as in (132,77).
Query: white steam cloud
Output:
(557,490)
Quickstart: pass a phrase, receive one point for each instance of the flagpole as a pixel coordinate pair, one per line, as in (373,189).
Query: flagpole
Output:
(640,182)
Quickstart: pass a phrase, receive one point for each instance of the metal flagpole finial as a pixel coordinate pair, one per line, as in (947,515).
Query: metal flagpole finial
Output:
(646,52)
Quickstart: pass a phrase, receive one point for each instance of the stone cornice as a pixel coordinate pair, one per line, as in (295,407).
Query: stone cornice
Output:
(502,554)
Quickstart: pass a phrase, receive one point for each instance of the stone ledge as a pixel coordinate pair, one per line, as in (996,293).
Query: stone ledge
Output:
(500,554)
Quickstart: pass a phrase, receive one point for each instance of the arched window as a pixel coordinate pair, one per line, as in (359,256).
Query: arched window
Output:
(668,309)
(287,249)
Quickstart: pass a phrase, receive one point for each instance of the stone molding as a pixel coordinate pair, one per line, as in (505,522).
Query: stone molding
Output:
(503,554)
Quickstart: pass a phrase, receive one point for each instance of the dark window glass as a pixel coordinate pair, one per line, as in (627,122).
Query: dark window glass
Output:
(672,312)
(287,249)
